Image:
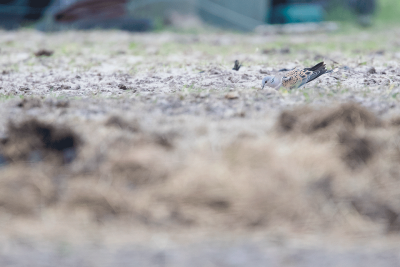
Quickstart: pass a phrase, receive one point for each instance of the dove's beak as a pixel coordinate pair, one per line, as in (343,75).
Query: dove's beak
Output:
(263,86)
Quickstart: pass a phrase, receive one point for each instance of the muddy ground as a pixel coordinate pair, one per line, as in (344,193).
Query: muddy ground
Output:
(120,148)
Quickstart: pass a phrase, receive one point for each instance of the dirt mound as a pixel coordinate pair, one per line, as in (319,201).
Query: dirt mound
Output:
(326,172)
(365,144)
(25,191)
(347,125)
(35,141)
(347,116)
(251,186)
(319,169)
(118,122)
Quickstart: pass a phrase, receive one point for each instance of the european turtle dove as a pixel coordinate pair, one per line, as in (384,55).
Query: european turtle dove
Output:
(295,78)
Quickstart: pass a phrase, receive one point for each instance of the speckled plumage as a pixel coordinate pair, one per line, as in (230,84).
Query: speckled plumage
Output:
(299,77)
(296,78)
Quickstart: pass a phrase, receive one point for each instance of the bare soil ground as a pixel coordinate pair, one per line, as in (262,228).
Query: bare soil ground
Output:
(148,148)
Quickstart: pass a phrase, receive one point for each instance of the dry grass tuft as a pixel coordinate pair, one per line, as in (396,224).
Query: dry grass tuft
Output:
(347,125)
(317,170)
(25,190)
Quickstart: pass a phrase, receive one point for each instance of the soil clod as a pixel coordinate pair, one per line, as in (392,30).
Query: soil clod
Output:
(44,53)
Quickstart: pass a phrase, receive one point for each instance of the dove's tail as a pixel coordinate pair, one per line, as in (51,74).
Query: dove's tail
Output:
(317,67)
(317,70)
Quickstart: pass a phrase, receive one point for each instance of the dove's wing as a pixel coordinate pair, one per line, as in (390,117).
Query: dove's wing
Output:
(297,78)
(296,70)
(292,72)
(317,71)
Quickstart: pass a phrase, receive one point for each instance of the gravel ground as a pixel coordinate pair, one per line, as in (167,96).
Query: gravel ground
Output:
(105,133)
(243,253)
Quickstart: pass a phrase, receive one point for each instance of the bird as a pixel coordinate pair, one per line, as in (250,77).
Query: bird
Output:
(295,78)
(237,65)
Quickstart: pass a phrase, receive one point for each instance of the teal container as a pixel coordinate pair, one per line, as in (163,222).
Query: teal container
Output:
(298,13)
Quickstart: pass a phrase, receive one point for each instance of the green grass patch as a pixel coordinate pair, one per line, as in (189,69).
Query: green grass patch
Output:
(388,11)
(5,97)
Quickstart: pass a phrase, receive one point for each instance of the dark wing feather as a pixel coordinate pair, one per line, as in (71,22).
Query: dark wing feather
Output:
(320,70)
(313,73)
(297,77)
(316,67)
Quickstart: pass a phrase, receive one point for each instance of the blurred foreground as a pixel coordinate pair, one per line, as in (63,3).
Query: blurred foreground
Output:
(151,149)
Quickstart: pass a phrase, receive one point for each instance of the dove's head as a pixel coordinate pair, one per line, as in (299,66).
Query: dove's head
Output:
(270,81)
(266,81)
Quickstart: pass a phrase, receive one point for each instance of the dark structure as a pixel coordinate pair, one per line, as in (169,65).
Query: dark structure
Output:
(15,12)
(36,9)
(234,14)
(364,9)
(105,14)
(84,14)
